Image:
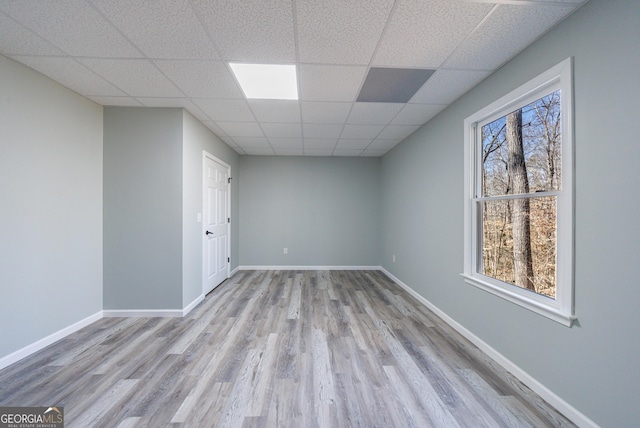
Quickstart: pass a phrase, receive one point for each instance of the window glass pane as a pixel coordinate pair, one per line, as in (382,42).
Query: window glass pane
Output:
(513,255)
(521,150)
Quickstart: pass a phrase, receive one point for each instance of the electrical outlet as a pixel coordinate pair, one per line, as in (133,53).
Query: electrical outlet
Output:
(285,251)
(393,258)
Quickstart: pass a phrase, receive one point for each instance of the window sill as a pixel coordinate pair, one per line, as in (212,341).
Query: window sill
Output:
(520,298)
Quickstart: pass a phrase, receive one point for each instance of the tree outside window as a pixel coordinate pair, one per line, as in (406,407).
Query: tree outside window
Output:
(521,155)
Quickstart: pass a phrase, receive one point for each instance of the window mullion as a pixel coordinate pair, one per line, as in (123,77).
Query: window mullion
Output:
(518,196)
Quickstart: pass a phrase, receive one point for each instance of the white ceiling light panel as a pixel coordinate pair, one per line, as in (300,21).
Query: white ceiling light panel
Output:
(267,81)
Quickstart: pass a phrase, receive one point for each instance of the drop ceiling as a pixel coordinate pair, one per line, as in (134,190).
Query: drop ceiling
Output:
(175,53)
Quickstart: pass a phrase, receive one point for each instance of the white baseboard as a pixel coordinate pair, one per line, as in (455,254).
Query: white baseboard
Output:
(129,313)
(152,313)
(16,356)
(549,396)
(234,271)
(192,305)
(308,268)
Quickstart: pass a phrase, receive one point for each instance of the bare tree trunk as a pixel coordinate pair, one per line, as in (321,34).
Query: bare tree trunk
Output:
(517,172)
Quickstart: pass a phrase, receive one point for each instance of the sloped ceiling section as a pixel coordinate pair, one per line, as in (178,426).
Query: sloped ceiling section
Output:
(176,53)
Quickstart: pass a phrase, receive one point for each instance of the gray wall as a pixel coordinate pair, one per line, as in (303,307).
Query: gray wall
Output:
(196,138)
(51,207)
(152,197)
(142,208)
(594,365)
(324,210)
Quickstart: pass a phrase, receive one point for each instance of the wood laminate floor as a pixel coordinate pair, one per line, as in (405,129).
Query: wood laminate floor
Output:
(278,349)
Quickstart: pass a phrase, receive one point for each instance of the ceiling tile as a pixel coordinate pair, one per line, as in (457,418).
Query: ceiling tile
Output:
(73,26)
(494,42)
(417,114)
(330,82)
(167,102)
(174,53)
(318,152)
(282,130)
(252,142)
(338,31)
(392,132)
(373,113)
(185,103)
(383,144)
(319,143)
(72,74)
(342,152)
(259,151)
(136,77)
(353,144)
(312,130)
(286,143)
(201,79)
(361,131)
(376,153)
(325,112)
(445,86)
(214,128)
(288,152)
(199,114)
(15,39)
(283,111)
(250,30)
(421,34)
(226,110)
(116,101)
(241,129)
(160,29)
(228,140)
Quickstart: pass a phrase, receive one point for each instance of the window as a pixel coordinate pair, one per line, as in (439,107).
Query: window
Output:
(519,196)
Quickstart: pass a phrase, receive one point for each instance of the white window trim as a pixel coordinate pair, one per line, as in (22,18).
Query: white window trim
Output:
(560,309)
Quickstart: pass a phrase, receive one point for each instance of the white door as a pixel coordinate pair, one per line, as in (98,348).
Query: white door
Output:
(216,223)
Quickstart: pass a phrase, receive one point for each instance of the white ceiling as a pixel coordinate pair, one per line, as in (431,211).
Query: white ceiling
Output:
(175,53)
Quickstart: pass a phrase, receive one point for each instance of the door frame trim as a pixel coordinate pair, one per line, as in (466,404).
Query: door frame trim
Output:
(208,155)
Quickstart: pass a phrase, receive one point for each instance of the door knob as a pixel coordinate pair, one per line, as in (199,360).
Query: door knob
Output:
(209,233)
